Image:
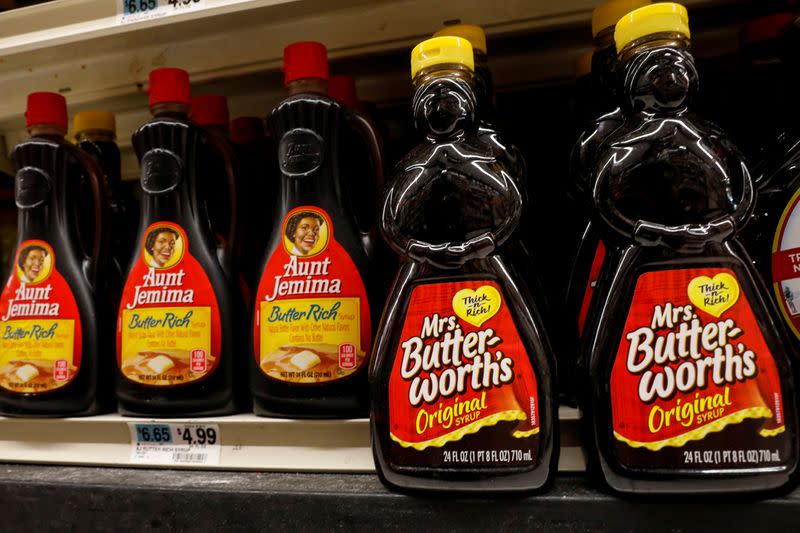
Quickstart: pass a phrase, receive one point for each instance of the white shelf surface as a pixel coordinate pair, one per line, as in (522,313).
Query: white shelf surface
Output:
(247,442)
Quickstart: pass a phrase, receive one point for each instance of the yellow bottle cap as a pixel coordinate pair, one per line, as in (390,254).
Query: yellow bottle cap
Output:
(441,51)
(656,18)
(609,12)
(94,120)
(583,65)
(474,34)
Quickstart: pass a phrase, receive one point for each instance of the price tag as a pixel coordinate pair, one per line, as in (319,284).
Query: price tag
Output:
(129,11)
(175,444)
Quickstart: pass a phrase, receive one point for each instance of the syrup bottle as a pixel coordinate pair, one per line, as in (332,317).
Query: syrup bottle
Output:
(257,194)
(220,178)
(51,365)
(766,77)
(771,237)
(518,252)
(584,96)
(312,321)
(175,335)
(606,116)
(365,183)
(451,207)
(689,371)
(95,134)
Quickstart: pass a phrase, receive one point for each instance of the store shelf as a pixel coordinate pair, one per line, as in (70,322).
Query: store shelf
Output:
(39,498)
(234,47)
(247,442)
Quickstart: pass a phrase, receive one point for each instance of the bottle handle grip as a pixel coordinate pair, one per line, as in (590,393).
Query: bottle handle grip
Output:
(99,188)
(369,133)
(223,151)
(692,236)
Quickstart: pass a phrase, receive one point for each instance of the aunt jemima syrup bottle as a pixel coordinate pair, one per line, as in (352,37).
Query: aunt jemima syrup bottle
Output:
(312,323)
(690,371)
(175,345)
(365,179)
(95,134)
(220,177)
(461,382)
(257,194)
(50,360)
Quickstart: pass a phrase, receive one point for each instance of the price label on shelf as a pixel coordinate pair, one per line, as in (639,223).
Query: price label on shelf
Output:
(175,444)
(129,11)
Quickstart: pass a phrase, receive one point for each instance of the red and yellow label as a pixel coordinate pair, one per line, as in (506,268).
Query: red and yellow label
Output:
(786,264)
(312,321)
(168,327)
(461,373)
(591,282)
(692,362)
(41,341)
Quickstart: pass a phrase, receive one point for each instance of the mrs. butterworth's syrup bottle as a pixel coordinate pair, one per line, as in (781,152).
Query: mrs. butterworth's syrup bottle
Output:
(52,358)
(690,372)
(312,322)
(175,345)
(461,379)
(607,115)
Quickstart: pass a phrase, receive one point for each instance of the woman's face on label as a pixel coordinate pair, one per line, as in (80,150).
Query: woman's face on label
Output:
(163,248)
(32,266)
(306,235)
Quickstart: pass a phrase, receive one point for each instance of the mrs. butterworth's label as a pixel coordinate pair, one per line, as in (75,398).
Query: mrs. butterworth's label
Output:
(694,383)
(462,391)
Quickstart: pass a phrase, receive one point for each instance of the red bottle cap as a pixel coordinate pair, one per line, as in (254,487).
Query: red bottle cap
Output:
(169,85)
(210,110)
(766,28)
(343,90)
(247,129)
(307,59)
(46,108)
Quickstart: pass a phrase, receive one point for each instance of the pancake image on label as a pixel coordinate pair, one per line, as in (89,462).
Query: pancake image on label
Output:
(35,375)
(168,367)
(309,363)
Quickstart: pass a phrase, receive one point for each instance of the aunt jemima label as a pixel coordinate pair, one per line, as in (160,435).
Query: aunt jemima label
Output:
(786,264)
(168,330)
(694,385)
(462,392)
(312,320)
(40,347)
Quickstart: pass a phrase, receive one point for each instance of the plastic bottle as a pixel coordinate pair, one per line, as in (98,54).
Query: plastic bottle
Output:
(257,193)
(365,174)
(312,320)
(220,178)
(52,363)
(95,134)
(607,115)
(770,237)
(690,381)
(175,331)
(451,207)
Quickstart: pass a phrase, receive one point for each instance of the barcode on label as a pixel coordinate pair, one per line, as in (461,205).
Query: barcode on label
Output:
(181,457)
